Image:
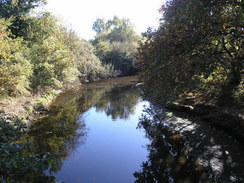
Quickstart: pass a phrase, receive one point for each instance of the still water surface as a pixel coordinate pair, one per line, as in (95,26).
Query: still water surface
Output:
(105,133)
(110,147)
(112,151)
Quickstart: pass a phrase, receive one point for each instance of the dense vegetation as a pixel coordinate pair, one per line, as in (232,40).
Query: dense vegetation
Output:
(197,52)
(17,157)
(37,53)
(116,43)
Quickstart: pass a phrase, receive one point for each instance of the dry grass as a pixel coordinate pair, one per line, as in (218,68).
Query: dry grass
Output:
(16,106)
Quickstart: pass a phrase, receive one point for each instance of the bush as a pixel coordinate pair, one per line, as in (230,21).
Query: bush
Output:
(17,159)
(14,67)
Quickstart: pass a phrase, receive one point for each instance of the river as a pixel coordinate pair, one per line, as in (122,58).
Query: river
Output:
(104,132)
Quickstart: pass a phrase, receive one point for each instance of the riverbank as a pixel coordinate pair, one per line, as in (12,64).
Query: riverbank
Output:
(26,107)
(230,120)
(59,135)
(173,145)
(191,146)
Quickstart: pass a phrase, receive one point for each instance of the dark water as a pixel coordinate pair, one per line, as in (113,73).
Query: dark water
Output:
(183,149)
(105,133)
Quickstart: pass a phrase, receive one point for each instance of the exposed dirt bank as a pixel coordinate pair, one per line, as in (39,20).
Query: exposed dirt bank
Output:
(26,107)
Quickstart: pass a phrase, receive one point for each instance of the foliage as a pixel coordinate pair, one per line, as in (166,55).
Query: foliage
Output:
(116,43)
(17,10)
(17,159)
(197,48)
(14,67)
(88,64)
(43,101)
(46,56)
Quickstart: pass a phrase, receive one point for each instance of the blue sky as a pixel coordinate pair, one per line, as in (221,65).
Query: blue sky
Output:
(80,14)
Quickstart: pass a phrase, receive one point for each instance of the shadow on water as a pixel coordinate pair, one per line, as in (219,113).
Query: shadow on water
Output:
(186,150)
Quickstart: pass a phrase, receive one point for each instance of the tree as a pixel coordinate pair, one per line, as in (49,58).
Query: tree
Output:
(14,67)
(17,10)
(90,67)
(38,54)
(99,26)
(197,49)
(116,43)
(52,60)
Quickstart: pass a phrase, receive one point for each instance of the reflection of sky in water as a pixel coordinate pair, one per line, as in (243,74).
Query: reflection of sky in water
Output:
(113,150)
(105,145)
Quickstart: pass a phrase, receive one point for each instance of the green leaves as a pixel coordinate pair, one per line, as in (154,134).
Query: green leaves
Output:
(116,43)
(17,159)
(45,55)
(14,67)
(17,8)
(196,45)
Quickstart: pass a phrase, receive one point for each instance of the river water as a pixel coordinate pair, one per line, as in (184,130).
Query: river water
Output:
(104,132)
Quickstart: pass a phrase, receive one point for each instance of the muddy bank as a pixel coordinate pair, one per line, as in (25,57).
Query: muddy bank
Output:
(232,122)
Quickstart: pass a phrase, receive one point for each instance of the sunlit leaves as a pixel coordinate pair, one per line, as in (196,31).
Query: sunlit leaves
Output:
(116,43)
(14,67)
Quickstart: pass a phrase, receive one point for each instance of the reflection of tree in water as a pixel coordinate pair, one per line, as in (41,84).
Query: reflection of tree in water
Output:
(61,132)
(119,102)
(169,157)
(58,134)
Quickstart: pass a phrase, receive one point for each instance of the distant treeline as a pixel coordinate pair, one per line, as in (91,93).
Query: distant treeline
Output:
(116,43)
(196,53)
(37,53)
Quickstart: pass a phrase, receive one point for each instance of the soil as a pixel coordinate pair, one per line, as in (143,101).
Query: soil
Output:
(15,107)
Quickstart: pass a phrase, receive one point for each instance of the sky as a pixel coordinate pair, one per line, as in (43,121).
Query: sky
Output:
(80,14)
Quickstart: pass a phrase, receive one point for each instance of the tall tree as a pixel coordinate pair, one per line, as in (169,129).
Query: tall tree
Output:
(198,48)
(116,43)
